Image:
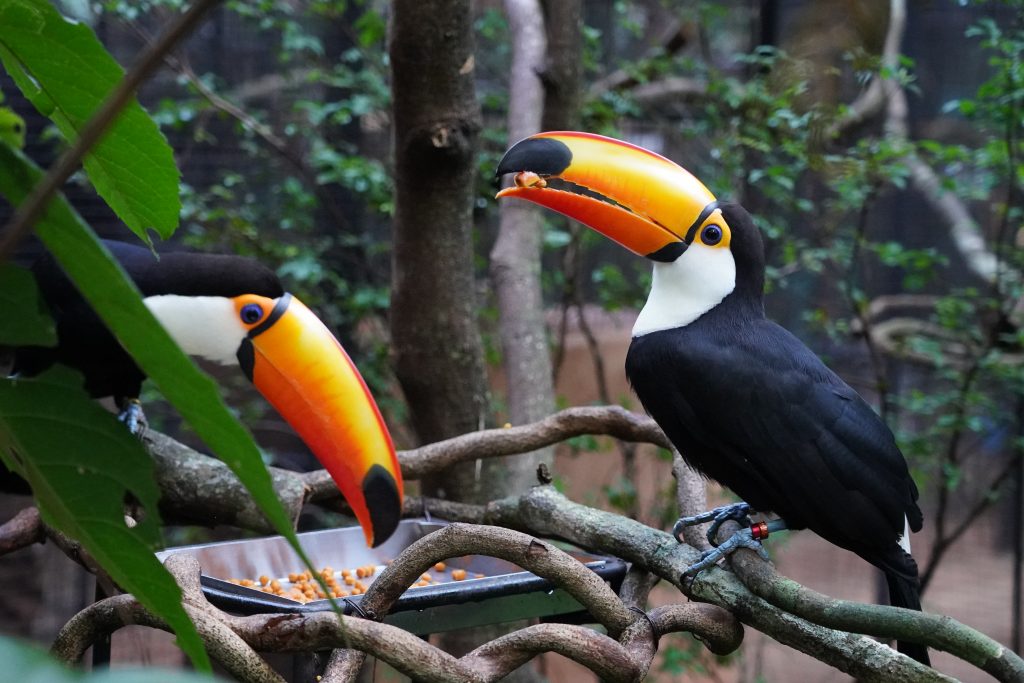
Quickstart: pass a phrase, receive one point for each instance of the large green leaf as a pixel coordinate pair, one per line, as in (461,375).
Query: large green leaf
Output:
(28,664)
(106,286)
(66,73)
(25,320)
(81,463)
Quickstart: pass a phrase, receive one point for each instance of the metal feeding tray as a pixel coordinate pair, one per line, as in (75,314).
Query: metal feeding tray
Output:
(504,592)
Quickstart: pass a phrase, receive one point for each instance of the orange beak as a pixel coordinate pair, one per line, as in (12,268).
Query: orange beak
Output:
(643,201)
(302,370)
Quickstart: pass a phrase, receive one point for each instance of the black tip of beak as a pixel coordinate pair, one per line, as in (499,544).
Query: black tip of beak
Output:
(543,156)
(383,502)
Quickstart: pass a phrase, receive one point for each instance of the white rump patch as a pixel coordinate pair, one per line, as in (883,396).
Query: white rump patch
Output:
(687,288)
(905,538)
(204,326)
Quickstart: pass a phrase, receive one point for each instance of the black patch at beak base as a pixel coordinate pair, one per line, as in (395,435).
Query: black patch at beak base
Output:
(246,357)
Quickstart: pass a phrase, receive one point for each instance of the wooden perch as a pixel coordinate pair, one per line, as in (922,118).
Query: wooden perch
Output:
(755,595)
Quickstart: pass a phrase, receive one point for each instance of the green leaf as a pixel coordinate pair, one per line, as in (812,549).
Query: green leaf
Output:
(25,321)
(81,463)
(66,73)
(12,128)
(107,288)
(28,664)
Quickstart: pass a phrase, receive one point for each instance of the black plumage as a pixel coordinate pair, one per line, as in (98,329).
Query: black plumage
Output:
(86,344)
(750,406)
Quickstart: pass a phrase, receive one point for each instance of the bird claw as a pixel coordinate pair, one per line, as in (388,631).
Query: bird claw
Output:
(739,512)
(744,538)
(133,418)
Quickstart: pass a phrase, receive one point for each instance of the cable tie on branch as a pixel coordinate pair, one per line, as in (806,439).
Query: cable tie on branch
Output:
(655,631)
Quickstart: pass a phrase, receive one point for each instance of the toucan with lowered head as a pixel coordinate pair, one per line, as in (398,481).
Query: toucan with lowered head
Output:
(233,311)
(743,400)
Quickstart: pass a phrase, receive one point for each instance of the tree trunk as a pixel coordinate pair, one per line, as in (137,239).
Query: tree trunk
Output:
(438,354)
(563,66)
(515,261)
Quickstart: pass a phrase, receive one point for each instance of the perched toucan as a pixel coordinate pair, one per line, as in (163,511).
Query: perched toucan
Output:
(233,311)
(744,401)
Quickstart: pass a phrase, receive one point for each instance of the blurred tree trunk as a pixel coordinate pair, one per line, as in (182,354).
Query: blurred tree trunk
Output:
(515,261)
(563,65)
(438,354)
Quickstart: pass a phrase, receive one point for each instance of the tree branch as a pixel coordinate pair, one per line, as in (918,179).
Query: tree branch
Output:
(548,513)
(233,641)
(24,529)
(936,631)
(793,620)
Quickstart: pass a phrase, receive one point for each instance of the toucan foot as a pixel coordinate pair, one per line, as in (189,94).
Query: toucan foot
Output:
(133,417)
(737,512)
(744,538)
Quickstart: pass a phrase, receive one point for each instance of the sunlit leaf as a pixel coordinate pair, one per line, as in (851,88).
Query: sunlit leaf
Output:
(82,465)
(66,73)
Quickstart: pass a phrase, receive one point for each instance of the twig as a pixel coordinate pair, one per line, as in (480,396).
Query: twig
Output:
(944,542)
(24,529)
(32,208)
(491,443)
(528,552)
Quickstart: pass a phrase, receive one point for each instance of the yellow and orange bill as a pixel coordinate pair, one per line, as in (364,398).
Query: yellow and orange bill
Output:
(645,202)
(306,375)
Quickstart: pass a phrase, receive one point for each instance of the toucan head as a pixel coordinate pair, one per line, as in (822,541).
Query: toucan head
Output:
(291,357)
(703,249)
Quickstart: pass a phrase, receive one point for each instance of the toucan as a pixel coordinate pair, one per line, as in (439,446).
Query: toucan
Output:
(233,311)
(742,399)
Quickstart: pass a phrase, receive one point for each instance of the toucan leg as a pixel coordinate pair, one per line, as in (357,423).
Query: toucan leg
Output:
(744,538)
(738,512)
(133,417)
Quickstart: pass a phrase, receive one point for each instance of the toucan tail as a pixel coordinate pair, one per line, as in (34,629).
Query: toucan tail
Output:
(905,591)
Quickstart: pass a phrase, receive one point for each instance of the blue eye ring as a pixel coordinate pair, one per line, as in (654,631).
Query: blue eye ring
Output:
(251,314)
(711,235)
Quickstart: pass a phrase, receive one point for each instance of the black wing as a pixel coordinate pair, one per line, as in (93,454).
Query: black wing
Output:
(755,409)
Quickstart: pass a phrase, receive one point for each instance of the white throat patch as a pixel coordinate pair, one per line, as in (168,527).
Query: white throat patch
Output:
(204,326)
(687,288)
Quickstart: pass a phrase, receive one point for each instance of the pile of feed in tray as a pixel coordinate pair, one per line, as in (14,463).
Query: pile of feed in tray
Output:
(302,587)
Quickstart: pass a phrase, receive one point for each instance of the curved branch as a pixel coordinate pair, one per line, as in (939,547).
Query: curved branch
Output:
(102,618)
(539,557)
(719,635)
(611,421)
(233,641)
(24,529)
(545,511)
(603,655)
(490,443)
(934,630)
(196,487)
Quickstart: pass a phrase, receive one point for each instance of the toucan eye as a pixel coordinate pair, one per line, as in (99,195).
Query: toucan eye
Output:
(251,313)
(711,235)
